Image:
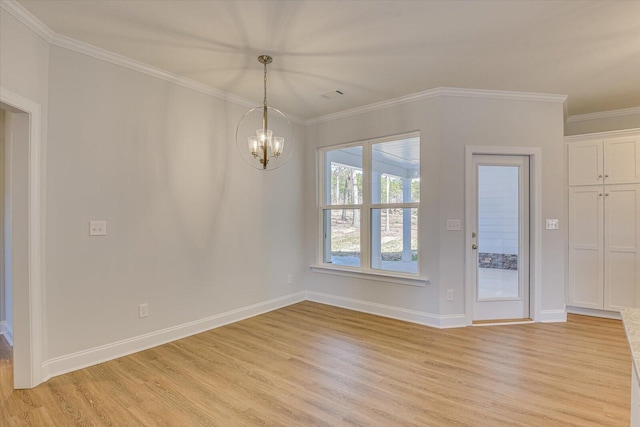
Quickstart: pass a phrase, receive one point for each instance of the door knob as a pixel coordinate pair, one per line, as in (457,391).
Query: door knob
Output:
(474,246)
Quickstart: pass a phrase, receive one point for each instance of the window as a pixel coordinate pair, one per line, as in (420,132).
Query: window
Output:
(370,198)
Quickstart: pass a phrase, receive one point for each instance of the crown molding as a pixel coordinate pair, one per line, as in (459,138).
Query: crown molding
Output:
(501,94)
(30,21)
(604,114)
(431,93)
(439,92)
(37,26)
(24,16)
(126,62)
(603,135)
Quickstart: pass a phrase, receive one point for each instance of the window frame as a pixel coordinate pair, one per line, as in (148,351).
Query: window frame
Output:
(366,211)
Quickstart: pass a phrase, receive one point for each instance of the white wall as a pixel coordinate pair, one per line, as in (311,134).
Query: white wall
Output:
(24,68)
(447,124)
(192,230)
(494,122)
(196,233)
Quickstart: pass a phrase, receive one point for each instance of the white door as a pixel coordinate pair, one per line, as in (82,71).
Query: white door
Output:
(500,237)
(621,246)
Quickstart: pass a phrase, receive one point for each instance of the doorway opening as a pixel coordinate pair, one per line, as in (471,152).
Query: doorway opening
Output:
(23,255)
(6,312)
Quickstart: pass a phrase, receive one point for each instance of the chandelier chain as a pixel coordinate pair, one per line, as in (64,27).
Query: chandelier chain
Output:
(265,84)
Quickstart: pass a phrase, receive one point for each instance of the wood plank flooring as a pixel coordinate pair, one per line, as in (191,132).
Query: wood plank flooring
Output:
(315,365)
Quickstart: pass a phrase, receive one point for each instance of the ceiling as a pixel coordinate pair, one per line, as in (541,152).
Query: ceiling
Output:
(371,50)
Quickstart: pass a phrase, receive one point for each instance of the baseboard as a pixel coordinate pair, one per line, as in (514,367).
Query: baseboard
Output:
(413,316)
(595,313)
(553,316)
(7,331)
(82,359)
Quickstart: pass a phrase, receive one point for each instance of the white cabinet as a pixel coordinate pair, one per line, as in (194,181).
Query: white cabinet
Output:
(621,246)
(604,246)
(586,163)
(605,161)
(586,247)
(604,223)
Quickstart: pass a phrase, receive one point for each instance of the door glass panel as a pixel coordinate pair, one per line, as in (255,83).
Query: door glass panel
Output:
(498,231)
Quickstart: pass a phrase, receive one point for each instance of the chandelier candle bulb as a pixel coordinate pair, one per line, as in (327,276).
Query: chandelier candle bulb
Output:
(253,145)
(278,144)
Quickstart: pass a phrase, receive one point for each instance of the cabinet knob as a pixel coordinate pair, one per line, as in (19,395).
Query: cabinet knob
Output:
(606,194)
(606,175)
(599,176)
(600,194)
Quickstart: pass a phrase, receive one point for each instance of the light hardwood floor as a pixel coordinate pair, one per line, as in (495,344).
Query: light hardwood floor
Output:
(310,364)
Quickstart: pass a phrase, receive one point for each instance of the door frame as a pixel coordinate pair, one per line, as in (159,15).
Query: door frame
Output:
(497,308)
(535,221)
(27,297)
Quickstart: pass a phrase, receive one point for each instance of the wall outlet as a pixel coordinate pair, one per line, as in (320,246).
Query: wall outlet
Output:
(97,228)
(454,225)
(290,280)
(552,224)
(449,294)
(143,310)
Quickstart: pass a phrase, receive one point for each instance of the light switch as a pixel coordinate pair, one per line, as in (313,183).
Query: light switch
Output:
(97,228)
(454,225)
(552,224)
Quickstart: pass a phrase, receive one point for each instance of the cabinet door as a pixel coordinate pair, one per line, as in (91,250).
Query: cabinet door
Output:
(622,160)
(585,163)
(622,246)
(586,242)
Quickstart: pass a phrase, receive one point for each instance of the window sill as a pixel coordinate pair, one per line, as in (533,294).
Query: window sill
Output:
(390,277)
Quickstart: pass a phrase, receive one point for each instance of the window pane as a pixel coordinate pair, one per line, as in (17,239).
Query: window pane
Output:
(395,175)
(343,176)
(342,236)
(394,239)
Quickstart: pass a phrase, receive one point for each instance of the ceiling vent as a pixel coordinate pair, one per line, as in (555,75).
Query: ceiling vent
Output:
(332,94)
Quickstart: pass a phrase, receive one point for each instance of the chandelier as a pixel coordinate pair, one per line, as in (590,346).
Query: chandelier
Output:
(262,132)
